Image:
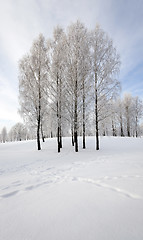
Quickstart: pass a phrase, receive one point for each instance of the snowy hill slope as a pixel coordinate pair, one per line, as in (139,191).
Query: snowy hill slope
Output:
(72,196)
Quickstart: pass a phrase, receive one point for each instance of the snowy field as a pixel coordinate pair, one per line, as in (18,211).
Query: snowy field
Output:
(88,195)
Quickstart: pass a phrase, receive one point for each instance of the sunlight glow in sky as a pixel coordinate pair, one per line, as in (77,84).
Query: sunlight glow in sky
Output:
(21,21)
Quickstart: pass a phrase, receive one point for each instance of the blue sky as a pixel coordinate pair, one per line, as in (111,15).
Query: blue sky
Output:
(22,20)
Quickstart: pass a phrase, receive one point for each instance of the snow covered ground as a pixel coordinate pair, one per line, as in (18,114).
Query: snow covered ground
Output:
(87,195)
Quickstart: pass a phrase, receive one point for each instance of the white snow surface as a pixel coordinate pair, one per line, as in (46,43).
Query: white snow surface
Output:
(89,195)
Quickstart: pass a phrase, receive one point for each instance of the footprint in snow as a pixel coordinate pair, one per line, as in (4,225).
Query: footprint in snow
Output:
(7,195)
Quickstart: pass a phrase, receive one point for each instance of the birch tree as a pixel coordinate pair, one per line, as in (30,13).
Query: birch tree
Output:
(4,134)
(18,132)
(77,57)
(33,73)
(57,77)
(105,66)
(138,113)
(120,116)
(128,113)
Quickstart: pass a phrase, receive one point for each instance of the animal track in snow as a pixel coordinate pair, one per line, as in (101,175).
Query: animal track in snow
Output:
(10,194)
(57,179)
(99,184)
(49,175)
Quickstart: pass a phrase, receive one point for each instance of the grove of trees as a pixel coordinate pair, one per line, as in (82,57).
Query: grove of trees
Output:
(67,74)
(68,85)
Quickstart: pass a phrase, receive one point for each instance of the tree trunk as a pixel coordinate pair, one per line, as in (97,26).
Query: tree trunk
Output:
(83,116)
(51,134)
(75,119)
(113,129)
(72,132)
(97,134)
(60,112)
(72,139)
(136,126)
(122,133)
(96,114)
(58,139)
(76,141)
(39,116)
(43,139)
(121,127)
(128,121)
(128,128)
(72,123)
(58,119)
(38,135)
(84,136)
(58,129)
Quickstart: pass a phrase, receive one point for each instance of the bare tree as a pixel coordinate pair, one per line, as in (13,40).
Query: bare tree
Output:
(120,116)
(138,113)
(105,66)
(18,132)
(77,65)
(57,66)
(128,113)
(4,134)
(33,72)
